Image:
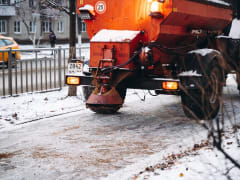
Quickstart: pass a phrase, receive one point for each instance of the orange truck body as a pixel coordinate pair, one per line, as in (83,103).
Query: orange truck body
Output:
(122,50)
(178,18)
(169,46)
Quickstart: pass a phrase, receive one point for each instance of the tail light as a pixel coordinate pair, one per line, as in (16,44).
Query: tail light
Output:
(73,80)
(170,85)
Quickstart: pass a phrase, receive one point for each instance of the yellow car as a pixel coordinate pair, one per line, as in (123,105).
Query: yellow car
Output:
(6,43)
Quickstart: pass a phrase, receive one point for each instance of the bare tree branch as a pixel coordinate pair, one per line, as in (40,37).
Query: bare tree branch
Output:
(54,5)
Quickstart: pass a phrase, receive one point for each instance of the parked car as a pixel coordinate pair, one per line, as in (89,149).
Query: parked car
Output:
(6,43)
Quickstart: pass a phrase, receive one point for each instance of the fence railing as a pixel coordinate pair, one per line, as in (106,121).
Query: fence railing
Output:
(39,69)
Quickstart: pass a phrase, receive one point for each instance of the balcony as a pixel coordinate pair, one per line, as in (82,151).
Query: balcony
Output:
(6,10)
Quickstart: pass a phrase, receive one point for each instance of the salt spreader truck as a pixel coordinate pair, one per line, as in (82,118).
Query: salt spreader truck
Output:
(172,47)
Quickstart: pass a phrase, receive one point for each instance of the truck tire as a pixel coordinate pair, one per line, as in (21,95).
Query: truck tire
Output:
(204,102)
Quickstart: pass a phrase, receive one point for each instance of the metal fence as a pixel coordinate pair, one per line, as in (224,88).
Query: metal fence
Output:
(39,69)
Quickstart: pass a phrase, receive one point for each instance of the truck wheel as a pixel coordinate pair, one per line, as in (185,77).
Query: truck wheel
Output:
(87,90)
(204,102)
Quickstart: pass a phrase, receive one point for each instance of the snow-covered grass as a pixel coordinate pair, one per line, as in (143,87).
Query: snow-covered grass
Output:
(28,107)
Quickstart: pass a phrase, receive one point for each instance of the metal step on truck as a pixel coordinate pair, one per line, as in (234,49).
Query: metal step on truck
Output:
(176,47)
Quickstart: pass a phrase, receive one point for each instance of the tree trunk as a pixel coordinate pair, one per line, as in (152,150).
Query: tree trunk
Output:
(72,90)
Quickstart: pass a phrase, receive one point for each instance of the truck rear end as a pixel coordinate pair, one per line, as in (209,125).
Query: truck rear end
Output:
(144,44)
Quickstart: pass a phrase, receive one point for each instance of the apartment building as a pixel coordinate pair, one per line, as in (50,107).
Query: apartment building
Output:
(30,20)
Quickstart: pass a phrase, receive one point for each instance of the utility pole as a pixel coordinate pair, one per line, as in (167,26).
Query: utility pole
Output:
(72,90)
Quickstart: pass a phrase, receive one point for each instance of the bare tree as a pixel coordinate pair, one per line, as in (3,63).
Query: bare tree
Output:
(37,12)
(23,13)
(71,11)
(72,91)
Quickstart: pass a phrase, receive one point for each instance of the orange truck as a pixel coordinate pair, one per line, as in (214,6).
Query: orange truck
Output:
(167,46)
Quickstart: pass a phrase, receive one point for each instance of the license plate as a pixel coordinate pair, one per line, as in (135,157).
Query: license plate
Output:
(75,69)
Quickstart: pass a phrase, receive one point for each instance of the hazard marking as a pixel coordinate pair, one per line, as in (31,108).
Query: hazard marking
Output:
(100,7)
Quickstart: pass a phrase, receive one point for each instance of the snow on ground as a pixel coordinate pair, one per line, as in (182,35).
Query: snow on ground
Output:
(197,163)
(188,161)
(44,51)
(56,46)
(195,158)
(28,107)
(201,163)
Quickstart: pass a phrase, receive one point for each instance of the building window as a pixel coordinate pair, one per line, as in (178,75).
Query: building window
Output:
(3,26)
(31,4)
(46,26)
(60,26)
(83,26)
(58,2)
(17,27)
(4,2)
(32,26)
(17,3)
